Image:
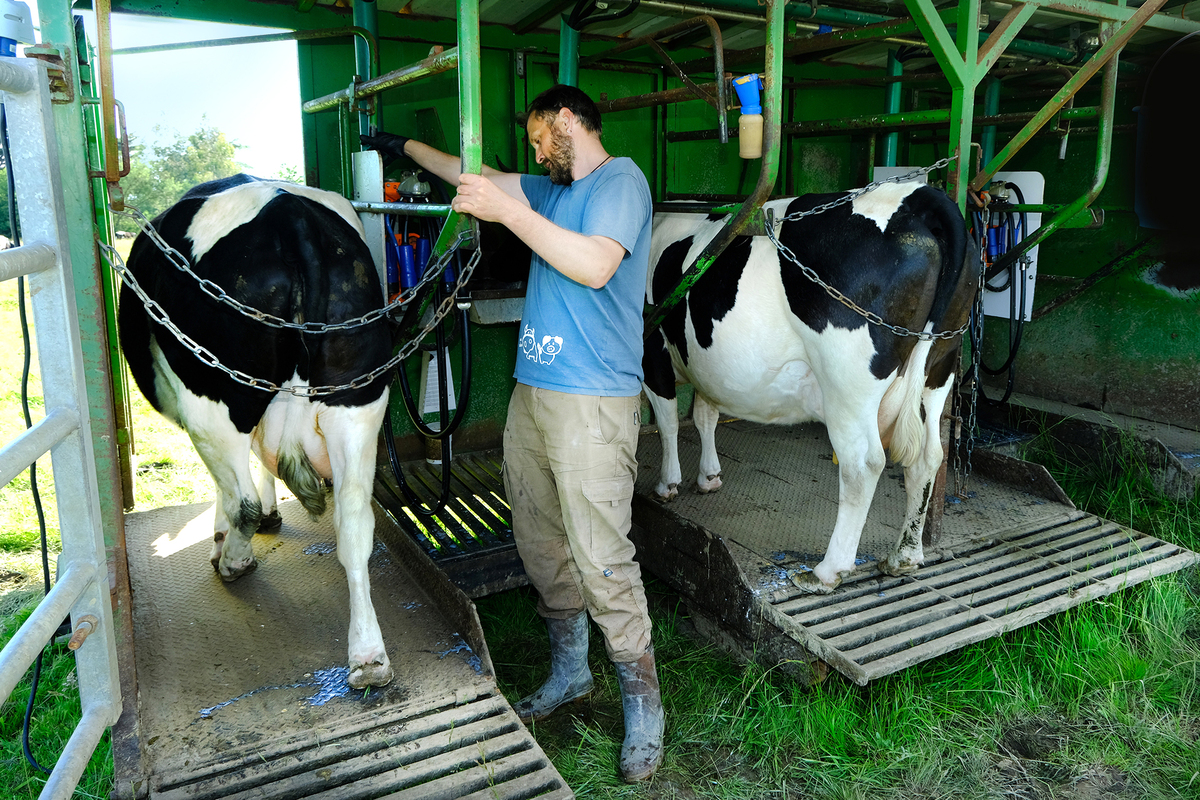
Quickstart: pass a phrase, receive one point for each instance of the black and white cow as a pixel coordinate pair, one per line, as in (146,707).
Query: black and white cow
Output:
(298,254)
(759,340)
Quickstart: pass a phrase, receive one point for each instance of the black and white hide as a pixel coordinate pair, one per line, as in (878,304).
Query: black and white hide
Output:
(759,340)
(298,254)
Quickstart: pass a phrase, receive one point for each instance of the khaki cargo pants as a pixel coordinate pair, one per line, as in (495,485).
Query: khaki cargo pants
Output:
(569,467)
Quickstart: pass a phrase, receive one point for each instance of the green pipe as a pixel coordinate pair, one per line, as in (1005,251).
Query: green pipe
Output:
(366,15)
(470,114)
(568,54)
(930,118)
(432,65)
(991,107)
(767,176)
(891,142)
(58,30)
(1108,50)
(1108,97)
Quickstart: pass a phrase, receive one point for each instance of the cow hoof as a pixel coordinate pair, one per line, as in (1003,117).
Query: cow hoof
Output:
(899,566)
(710,485)
(375,673)
(667,493)
(236,569)
(809,583)
(270,523)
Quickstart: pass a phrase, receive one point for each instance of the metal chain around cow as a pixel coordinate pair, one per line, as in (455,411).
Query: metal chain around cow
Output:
(836,293)
(432,273)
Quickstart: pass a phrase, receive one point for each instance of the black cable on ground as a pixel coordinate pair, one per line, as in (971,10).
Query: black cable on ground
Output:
(37,499)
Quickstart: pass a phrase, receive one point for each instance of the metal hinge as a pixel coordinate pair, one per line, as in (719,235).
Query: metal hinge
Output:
(62,82)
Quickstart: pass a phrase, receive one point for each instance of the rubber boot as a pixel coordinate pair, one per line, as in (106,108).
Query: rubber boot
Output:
(570,679)
(641,752)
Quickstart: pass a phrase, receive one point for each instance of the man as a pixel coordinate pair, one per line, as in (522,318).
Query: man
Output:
(571,436)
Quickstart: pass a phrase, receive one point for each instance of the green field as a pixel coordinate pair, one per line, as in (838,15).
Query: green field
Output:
(1099,703)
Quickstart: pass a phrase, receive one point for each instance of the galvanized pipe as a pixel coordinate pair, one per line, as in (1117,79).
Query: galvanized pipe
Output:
(1107,51)
(69,767)
(930,118)
(1108,99)
(436,62)
(14,80)
(366,36)
(23,649)
(26,259)
(32,444)
(408,209)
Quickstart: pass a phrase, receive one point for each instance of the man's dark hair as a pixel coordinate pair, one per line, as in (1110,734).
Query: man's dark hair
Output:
(548,103)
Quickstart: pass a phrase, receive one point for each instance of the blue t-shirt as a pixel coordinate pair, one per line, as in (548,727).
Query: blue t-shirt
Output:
(573,338)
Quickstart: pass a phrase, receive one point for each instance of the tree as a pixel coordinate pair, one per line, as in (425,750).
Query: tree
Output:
(156,181)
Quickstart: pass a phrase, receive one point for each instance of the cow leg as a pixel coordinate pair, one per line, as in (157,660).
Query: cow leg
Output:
(271,520)
(666,416)
(919,478)
(861,460)
(226,453)
(705,415)
(351,433)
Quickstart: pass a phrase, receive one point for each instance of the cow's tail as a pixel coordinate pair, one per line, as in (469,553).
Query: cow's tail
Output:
(298,474)
(908,433)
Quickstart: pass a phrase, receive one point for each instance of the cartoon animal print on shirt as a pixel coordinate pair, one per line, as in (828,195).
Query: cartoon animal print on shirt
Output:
(544,352)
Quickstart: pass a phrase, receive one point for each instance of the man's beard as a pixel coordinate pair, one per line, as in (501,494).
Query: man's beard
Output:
(561,160)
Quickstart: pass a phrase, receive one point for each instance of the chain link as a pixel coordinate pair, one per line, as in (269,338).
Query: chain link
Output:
(836,293)
(159,315)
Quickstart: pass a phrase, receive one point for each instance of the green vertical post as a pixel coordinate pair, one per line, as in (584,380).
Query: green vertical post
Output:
(991,107)
(470,115)
(891,142)
(366,15)
(58,31)
(568,54)
(959,61)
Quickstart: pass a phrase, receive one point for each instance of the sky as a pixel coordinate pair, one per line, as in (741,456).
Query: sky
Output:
(250,92)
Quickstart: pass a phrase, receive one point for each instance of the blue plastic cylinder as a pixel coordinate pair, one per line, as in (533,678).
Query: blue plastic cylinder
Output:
(422,254)
(408,268)
(993,244)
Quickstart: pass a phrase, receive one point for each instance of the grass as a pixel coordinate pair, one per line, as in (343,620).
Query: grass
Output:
(1098,703)
(168,473)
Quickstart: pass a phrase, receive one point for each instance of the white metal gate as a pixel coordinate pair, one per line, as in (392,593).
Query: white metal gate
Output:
(82,586)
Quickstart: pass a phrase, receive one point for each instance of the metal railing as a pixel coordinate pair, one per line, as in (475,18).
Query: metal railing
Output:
(82,587)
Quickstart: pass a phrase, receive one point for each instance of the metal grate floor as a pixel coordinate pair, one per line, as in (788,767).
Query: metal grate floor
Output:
(471,538)
(876,625)
(476,750)
(1012,552)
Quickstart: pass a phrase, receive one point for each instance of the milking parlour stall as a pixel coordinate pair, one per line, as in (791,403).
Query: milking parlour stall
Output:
(896,248)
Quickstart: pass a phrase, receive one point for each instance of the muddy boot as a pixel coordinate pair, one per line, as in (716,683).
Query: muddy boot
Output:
(570,679)
(641,752)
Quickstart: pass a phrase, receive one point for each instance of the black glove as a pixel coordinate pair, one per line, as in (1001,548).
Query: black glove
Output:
(389,145)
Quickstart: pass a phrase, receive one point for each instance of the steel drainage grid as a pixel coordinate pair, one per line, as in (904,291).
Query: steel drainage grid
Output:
(876,625)
(471,538)
(474,750)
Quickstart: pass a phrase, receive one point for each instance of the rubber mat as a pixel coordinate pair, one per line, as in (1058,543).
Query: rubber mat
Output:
(242,687)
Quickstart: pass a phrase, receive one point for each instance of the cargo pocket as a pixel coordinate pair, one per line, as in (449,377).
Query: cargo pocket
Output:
(610,513)
(608,491)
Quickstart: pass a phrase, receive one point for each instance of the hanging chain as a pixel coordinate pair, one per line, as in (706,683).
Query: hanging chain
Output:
(963,471)
(159,315)
(836,293)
